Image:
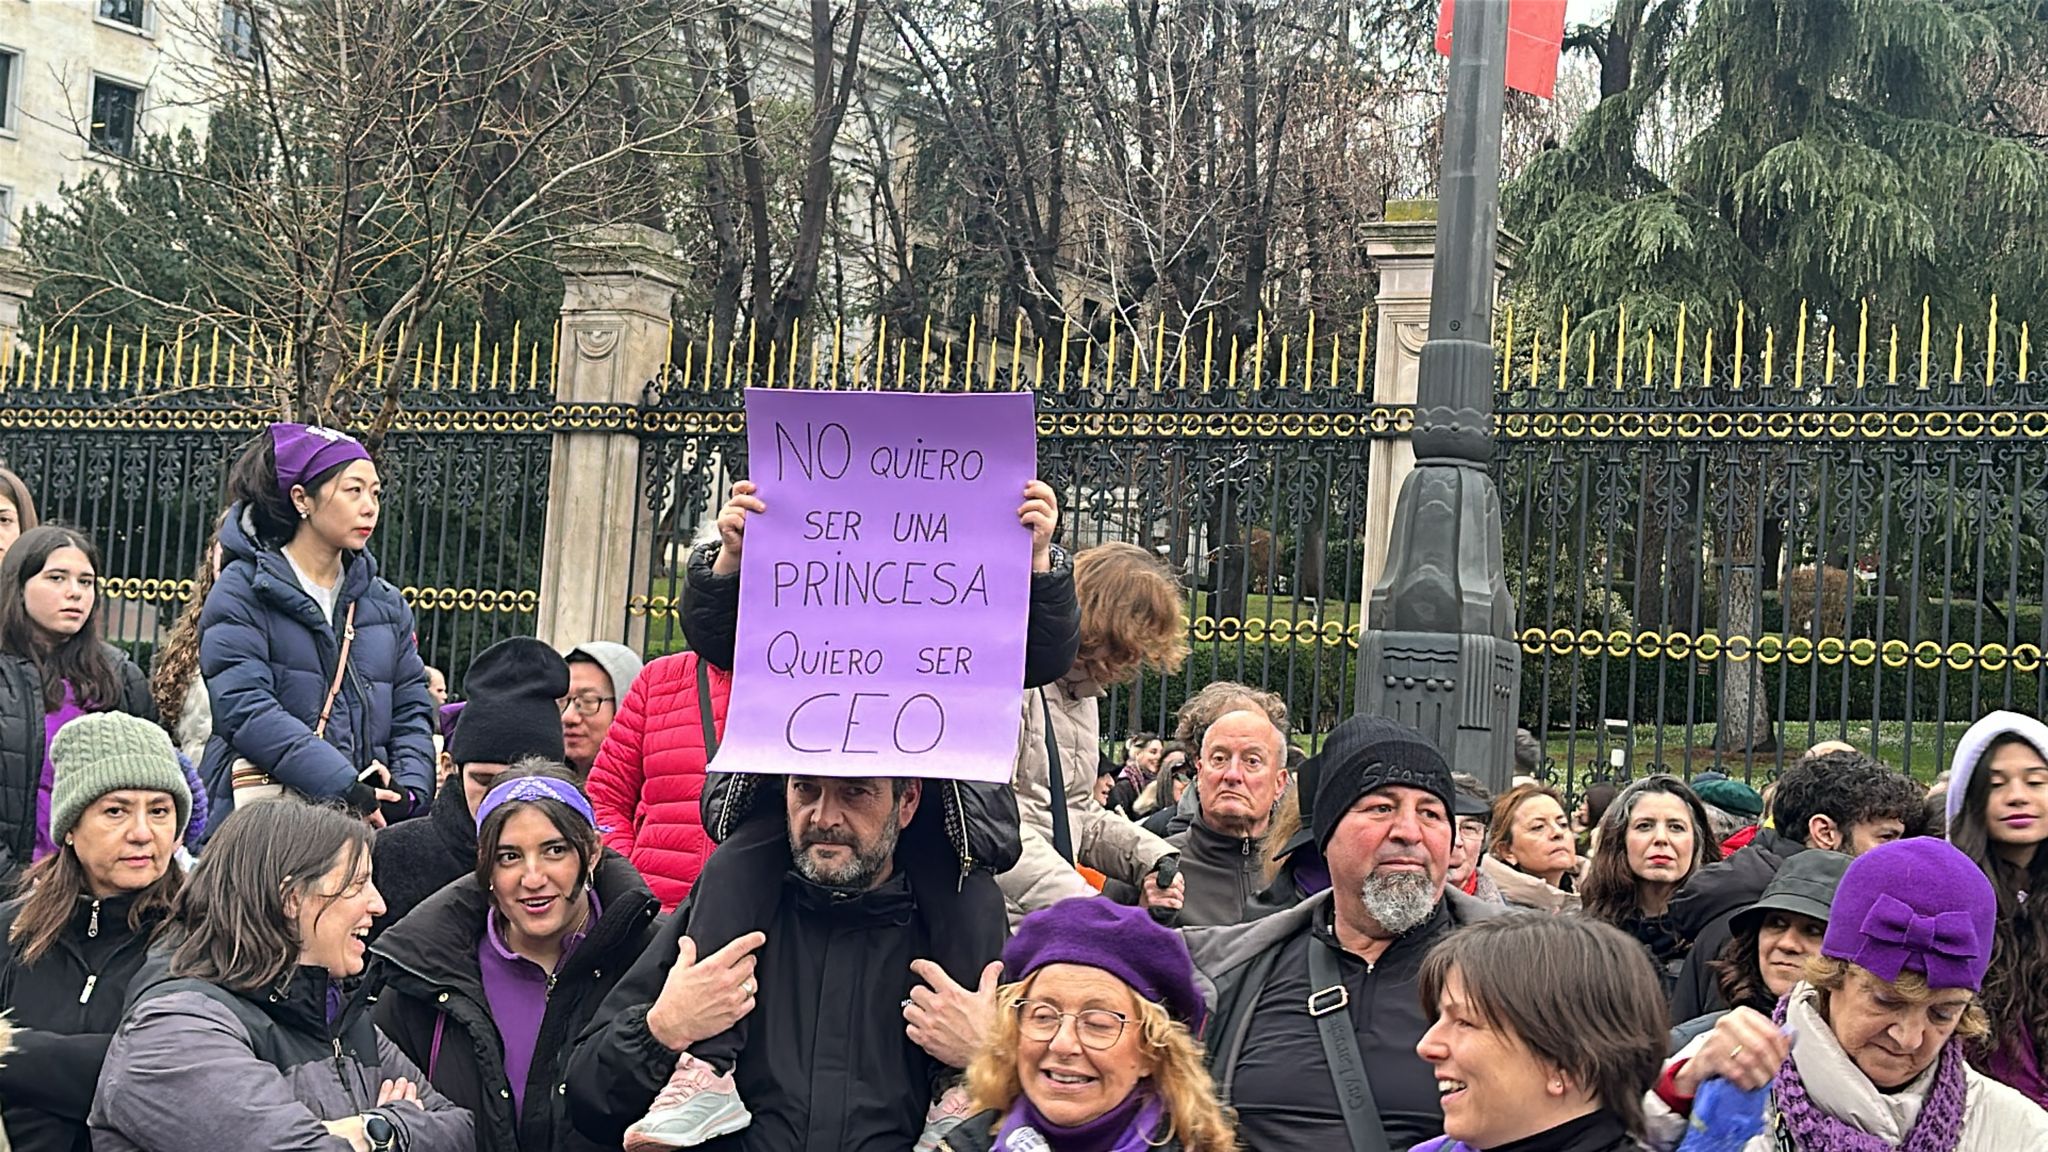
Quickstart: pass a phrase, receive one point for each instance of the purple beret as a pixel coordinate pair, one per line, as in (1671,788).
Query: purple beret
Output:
(1915,905)
(304,451)
(1125,942)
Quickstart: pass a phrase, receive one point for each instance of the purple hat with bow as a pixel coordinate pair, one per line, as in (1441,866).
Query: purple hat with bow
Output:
(304,451)
(1915,905)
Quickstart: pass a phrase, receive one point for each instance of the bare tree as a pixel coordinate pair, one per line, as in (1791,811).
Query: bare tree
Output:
(376,166)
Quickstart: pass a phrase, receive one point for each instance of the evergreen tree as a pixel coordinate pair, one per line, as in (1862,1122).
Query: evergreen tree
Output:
(1845,149)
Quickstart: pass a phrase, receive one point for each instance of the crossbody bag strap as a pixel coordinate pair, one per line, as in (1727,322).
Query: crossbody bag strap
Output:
(1328,1004)
(1056,781)
(348,639)
(704,711)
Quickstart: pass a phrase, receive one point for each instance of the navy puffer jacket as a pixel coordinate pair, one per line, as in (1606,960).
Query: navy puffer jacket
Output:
(268,656)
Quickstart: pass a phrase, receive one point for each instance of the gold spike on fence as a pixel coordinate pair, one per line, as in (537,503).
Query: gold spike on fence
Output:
(1552,354)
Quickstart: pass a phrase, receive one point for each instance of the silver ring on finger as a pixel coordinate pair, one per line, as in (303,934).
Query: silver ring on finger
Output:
(748,987)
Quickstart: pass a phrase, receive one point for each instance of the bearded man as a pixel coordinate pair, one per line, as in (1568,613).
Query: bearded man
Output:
(1316,1018)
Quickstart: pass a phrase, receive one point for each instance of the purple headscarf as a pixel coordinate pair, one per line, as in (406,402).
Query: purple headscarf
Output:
(305,450)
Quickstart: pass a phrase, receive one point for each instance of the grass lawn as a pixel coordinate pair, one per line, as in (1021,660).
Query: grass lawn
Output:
(1269,606)
(1932,744)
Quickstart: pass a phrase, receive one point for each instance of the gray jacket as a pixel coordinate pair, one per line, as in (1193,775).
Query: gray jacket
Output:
(196,1068)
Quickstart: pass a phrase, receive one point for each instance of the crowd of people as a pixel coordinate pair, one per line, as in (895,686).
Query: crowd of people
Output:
(281,893)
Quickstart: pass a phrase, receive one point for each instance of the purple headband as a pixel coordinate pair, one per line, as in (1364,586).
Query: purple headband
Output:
(306,450)
(535,788)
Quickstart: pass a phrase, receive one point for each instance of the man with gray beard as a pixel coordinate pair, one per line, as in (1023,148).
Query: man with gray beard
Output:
(1316,1016)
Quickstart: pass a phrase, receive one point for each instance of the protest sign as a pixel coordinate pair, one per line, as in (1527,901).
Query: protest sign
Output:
(883,593)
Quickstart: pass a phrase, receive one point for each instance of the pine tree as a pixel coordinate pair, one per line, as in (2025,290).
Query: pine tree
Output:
(1845,151)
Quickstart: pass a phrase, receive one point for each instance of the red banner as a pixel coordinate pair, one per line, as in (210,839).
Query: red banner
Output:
(1535,40)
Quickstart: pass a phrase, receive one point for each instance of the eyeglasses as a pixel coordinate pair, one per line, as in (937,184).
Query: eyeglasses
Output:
(1096,1028)
(586,704)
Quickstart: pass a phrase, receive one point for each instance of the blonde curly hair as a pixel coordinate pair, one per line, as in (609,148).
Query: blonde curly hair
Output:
(1193,1116)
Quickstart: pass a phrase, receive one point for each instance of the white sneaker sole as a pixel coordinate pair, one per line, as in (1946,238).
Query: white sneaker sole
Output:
(677,1129)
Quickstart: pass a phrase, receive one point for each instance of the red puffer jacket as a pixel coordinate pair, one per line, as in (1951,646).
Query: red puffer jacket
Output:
(649,775)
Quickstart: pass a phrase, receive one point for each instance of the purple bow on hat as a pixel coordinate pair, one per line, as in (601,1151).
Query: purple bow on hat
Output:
(1945,944)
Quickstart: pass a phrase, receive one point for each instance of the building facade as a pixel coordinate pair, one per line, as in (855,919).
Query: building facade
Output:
(81,82)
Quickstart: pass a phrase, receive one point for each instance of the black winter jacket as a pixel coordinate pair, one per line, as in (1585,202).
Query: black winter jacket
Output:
(427,973)
(65,1009)
(1225,875)
(198,1068)
(22,751)
(413,859)
(827,1067)
(1703,912)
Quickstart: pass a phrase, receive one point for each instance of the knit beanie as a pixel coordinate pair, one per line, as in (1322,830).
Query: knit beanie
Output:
(1730,796)
(1122,941)
(1915,905)
(1971,748)
(1365,754)
(514,710)
(620,663)
(102,752)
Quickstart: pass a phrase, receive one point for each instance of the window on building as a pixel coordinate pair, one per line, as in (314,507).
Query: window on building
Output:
(10,67)
(6,217)
(115,108)
(122,12)
(238,29)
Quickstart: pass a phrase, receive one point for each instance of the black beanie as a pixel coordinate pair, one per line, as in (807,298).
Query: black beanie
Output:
(514,709)
(1365,754)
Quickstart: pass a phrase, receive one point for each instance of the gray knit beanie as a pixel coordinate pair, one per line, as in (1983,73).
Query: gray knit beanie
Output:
(102,752)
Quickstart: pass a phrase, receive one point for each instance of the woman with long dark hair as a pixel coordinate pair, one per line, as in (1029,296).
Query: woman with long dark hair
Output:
(1998,817)
(53,669)
(258,1036)
(309,658)
(72,943)
(1652,839)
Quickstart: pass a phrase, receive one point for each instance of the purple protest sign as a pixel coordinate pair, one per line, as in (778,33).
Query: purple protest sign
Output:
(884,592)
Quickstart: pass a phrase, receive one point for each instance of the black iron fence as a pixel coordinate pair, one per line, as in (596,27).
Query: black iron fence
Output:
(1726,546)
(139,461)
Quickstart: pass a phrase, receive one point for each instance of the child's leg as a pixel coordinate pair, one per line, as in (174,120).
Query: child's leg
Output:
(965,917)
(733,895)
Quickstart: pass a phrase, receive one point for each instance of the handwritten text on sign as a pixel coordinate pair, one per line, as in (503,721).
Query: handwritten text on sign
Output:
(883,594)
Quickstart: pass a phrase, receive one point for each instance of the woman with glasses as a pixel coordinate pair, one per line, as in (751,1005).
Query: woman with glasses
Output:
(1094,1046)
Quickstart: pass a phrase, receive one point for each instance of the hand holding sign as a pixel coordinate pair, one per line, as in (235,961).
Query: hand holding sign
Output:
(882,605)
(732,527)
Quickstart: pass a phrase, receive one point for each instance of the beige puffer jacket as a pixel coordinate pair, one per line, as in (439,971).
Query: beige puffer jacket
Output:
(1103,840)
(1995,1117)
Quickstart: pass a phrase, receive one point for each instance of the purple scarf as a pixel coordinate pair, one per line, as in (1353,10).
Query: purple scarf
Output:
(1937,1129)
(1124,1128)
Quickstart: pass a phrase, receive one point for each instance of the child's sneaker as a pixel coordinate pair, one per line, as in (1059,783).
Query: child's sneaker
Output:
(942,1118)
(697,1105)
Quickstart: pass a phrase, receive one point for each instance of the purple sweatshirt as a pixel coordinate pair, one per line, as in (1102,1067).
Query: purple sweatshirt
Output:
(66,712)
(517,991)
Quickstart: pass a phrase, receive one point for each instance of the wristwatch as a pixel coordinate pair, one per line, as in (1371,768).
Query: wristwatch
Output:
(380,1132)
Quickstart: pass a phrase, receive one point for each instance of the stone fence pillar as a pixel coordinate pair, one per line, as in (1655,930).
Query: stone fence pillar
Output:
(618,287)
(1404,247)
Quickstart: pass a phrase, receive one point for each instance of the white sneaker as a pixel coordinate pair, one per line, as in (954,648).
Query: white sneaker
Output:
(942,1118)
(696,1106)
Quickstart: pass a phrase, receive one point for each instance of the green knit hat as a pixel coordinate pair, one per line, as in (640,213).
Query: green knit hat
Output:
(102,752)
